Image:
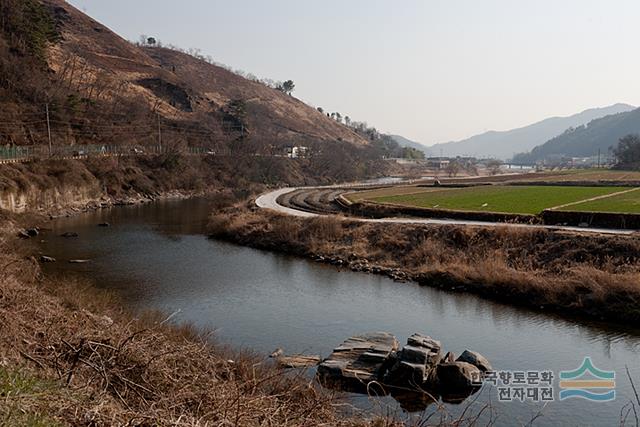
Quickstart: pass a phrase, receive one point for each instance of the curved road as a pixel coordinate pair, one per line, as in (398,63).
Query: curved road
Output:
(270,201)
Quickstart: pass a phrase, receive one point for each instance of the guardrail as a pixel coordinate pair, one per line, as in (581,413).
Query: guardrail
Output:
(17,154)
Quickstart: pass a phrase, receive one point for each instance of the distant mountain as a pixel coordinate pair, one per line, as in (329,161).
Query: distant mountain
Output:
(505,144)
(404,142)
(585,141)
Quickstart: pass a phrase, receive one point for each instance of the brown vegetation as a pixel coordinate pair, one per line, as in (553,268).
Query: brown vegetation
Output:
(101,90)
(104,89)
(583,274)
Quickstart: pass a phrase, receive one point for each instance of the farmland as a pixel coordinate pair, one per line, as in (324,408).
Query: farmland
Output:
(529,199)
(627,202)
(588,175)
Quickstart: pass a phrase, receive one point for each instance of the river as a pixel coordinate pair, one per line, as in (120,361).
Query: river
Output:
(156,256)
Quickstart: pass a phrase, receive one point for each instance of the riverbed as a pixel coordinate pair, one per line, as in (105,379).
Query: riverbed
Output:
(157,256)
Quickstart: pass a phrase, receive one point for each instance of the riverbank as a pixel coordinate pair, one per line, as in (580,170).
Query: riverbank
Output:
(53,187)
(71,355)
(571,273)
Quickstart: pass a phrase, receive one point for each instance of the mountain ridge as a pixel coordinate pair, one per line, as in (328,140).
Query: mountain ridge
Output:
(406,142)
(505,144)
(585,141)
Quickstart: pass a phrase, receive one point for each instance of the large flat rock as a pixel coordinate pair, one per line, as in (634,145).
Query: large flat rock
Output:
(358,361)
(417,375)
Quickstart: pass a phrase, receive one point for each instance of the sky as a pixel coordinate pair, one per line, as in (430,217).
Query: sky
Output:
(430,70)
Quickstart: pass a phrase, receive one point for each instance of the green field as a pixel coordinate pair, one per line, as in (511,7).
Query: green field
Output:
(399,190)
(502,199)
(621,203)
(587,175)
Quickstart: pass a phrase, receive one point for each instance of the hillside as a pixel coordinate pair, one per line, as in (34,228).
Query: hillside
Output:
(585,141)
(97,83)
(505,144)
(404,142)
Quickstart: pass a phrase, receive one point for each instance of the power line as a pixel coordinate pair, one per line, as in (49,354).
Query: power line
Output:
(49,131)
(159,132)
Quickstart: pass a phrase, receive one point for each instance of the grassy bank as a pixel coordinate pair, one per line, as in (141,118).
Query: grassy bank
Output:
(585,274)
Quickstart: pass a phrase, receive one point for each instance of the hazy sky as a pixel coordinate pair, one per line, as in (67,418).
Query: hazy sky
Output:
(430,70)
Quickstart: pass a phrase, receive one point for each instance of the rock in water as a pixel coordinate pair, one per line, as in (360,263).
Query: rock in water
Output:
(371,364)
(298,361)
(276,353)
(44,258)
(415,362)
(458,376)
(450,357)
(358,361)
(476,359)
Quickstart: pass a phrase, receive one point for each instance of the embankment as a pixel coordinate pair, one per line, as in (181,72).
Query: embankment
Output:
(592,219)
(612,220)
(571,273)
(60,187)
(387,210)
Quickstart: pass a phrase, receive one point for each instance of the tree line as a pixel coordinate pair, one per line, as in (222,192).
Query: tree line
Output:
(627,152)
(286,86)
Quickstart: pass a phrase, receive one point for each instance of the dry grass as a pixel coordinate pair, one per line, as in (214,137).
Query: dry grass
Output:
(574,273)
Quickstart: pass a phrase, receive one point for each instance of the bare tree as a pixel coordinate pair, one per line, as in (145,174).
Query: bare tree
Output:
(453,168)
(494,166)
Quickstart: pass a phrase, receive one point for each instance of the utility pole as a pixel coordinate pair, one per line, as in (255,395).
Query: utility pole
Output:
(598,158)
(49,130)
(159,134)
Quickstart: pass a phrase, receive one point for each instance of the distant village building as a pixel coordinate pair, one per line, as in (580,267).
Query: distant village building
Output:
(438,162)
(297,152)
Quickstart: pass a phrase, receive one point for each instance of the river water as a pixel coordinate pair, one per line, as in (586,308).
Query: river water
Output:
(156,256)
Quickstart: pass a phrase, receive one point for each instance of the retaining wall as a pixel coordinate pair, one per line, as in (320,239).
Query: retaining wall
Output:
(376,210)
(548,217)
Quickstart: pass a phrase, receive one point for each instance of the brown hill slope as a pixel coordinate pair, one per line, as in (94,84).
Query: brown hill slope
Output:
(269,111)
(99,64)
(104,91)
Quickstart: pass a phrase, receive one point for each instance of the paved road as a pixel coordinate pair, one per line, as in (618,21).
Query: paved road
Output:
(270,201)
